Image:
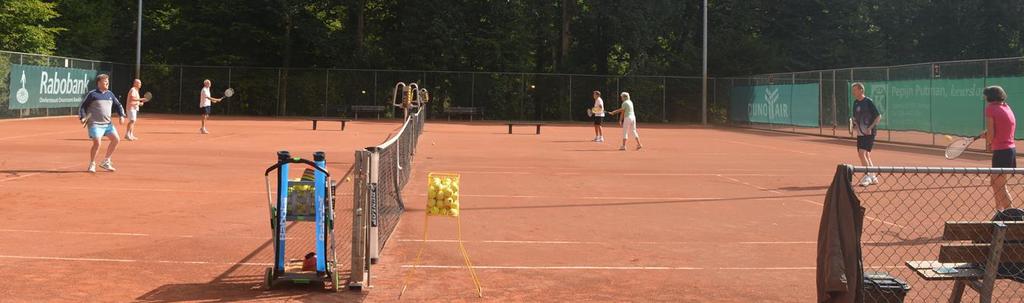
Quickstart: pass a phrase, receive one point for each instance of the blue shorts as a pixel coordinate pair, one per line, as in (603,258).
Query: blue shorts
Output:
(97,131)
(205,110)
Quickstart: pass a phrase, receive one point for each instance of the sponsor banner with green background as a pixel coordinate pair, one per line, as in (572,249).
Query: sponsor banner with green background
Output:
(48,87)
(941,106)
(793,104)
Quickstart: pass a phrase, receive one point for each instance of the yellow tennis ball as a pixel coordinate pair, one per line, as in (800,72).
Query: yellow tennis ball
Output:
(455,196)
(454,212)
(434,210)
(347,179)
(949,138)
(454,205)
(448,202)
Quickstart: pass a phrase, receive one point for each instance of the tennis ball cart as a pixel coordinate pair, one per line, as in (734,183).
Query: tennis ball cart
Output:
(306,199)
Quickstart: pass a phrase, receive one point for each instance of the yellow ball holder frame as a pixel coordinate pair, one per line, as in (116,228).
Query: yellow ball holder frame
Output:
(426,220)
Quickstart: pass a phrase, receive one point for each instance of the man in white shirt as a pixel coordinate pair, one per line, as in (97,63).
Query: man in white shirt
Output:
(134,102)
(206,104)
(598,112)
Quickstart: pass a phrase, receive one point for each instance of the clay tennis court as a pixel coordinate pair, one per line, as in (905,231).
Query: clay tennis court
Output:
(700,214)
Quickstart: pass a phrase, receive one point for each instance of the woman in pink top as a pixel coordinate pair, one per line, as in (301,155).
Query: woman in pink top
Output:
(1000,126)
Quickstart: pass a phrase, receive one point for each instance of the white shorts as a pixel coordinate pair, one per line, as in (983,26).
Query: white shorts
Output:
(629,125)
(133,114)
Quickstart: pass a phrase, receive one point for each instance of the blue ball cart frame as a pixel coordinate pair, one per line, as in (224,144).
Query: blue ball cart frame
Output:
(293,204)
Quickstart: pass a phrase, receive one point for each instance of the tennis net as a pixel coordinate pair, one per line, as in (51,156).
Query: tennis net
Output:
(381,173)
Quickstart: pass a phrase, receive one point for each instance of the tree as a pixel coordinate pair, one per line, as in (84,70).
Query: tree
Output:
(23,26)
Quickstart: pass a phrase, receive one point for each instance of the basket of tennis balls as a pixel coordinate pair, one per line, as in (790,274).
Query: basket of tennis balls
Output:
(301,198)
(443,194)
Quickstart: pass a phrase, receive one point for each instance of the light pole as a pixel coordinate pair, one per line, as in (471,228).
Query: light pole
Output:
(138,44)
(704,77)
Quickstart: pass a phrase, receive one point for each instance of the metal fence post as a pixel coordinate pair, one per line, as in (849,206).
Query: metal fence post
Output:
(181,79)
(664,96)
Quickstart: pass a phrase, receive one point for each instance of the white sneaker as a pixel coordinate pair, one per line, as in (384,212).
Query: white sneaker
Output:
(92,167)
(107,165)
(600,139)
(865,181)
(622,147)
(203,131)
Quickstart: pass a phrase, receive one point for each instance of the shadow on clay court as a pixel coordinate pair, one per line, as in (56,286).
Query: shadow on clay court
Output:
(243,281)
(901,147)
(18,172)
(802,188)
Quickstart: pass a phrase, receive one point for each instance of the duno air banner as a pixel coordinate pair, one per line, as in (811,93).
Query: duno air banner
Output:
(48,87)
(791,104)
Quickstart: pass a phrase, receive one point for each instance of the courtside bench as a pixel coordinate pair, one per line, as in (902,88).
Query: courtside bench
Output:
(974,255)
(538,124)
(356,109)
(456,110)
(342,120)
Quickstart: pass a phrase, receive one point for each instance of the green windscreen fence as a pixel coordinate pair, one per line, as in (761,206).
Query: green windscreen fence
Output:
(953,106)
(789,104)
(939,106)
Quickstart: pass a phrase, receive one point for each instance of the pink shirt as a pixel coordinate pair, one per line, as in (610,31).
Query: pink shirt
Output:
(1003,125)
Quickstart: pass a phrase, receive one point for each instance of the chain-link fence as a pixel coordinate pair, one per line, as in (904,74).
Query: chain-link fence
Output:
(936,219)
(269,91)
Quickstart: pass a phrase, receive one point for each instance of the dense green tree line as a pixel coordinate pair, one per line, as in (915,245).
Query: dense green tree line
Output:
(651,37)
(603,37)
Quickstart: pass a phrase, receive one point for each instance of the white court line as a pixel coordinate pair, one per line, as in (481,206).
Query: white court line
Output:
(128,260)
(40,134)
(36,118)
(809,201)
(33,174)
(623,267)
(144,189)
(635,174)
(771,147)
(748,184)
(95,233)
(605,243)
(603,197)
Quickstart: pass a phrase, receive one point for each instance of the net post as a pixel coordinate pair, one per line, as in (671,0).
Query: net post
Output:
(374,176)
(359,275)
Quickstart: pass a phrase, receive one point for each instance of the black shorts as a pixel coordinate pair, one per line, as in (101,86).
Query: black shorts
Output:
(1004,158)
(597,120)
(205,110)
(866,142)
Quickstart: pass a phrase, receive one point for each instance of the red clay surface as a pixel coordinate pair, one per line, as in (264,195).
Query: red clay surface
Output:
(699,215)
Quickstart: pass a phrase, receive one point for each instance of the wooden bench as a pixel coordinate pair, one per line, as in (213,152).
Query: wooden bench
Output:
(511,123)
(463,111)
(974,255)
(342,120)
(356,109)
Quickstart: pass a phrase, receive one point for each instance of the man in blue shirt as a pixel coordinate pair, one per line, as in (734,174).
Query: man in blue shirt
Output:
(97,106)
(865,121)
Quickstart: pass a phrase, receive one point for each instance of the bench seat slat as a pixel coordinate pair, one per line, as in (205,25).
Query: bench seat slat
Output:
(926,269)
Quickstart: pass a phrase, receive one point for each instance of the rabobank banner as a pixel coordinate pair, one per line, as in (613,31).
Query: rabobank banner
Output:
(48,87)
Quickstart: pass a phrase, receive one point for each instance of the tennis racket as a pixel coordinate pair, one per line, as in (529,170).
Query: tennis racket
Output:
(85,120)
(148,96)
(851,126)
(958,147)
(227,94)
